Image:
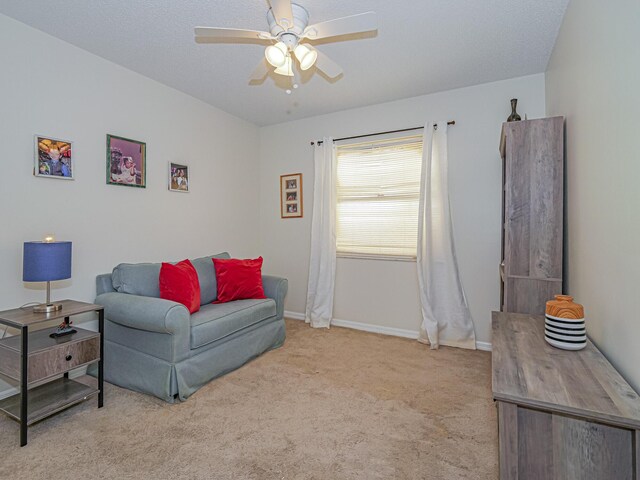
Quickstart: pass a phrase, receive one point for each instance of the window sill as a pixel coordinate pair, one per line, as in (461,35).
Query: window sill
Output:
(363,256)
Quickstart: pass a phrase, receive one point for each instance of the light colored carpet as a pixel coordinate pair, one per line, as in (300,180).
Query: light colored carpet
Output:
(330,404)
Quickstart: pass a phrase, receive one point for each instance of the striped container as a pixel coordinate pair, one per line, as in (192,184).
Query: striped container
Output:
(564,325)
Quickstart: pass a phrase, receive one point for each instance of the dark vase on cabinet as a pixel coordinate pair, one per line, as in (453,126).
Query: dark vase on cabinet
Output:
(514,117)
(532,214)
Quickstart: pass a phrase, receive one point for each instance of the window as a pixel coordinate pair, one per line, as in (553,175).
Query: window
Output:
(378,191)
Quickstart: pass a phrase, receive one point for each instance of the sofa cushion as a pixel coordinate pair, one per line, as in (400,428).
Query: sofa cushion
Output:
(137,279)
(207,277)
(142,278)
(216,321)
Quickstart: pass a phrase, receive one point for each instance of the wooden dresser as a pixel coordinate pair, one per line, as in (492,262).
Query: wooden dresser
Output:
(562,415)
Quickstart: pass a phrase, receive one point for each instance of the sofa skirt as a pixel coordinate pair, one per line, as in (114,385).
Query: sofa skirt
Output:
(144,373)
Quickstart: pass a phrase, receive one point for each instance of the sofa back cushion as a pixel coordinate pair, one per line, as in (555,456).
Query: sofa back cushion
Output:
(207,277)
(137,279)
(143,278)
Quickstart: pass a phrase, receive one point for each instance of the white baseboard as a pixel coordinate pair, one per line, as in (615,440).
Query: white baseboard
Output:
(294,315)
(367,327)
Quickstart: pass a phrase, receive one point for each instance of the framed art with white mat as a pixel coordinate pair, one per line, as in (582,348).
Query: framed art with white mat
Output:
(291,195)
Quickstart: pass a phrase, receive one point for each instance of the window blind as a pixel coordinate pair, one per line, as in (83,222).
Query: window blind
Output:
(378,190)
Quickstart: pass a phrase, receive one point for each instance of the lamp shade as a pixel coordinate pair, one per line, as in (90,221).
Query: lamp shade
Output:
(46,261)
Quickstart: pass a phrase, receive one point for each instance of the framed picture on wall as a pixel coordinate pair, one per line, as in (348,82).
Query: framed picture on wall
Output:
(291,195)
(53,158)
(178,177)
(126,162)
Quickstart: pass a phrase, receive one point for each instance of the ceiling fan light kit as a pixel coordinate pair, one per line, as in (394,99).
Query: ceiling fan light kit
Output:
(276,54)
(306,56)
(287,67)
(288,27)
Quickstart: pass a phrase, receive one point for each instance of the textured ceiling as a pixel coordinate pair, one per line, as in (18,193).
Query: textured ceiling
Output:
(422,46)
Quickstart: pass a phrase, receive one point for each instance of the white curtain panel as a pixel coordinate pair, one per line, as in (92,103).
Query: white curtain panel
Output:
(446,319)
(322,262)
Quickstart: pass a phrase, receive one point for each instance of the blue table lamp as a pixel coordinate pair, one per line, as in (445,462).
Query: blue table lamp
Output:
(46,261)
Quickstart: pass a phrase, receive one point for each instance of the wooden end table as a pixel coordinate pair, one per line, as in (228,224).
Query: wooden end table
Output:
(37,361)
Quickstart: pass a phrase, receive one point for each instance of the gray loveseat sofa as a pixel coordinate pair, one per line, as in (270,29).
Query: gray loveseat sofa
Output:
(155,346)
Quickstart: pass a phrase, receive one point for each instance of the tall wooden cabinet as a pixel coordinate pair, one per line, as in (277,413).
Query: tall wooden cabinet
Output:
(532,213)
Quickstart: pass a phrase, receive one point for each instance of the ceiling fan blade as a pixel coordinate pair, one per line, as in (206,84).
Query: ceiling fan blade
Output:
(363,22)
(260,71)
(209,34)
(330,68)
(282,13)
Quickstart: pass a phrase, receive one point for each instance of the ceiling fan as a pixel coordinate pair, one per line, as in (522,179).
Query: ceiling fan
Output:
(289,35)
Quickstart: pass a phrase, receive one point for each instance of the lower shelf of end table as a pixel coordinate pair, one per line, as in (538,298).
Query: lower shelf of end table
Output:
(50,398)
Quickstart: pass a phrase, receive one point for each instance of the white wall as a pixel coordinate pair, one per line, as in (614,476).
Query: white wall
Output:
(385,293)
(593,79)
(52,88)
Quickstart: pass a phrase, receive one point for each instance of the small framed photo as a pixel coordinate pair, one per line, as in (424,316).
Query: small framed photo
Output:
(291,195)
(178,178)
(126,162)
(53,158)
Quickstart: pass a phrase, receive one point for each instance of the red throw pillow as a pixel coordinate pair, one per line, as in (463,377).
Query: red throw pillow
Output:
(180,283)
(238,279)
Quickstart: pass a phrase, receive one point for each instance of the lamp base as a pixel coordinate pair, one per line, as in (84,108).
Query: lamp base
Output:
(47,307)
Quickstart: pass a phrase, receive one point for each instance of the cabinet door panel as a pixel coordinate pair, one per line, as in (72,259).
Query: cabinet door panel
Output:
(545,150)
(529,295)
(583,449)
(535,449)
(556,447)
(518,195)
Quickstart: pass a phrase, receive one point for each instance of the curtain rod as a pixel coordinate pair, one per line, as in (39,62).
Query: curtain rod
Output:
(320,142)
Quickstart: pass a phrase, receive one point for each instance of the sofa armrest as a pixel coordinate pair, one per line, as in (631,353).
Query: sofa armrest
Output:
(145,313)
(103,284)
(276,288)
